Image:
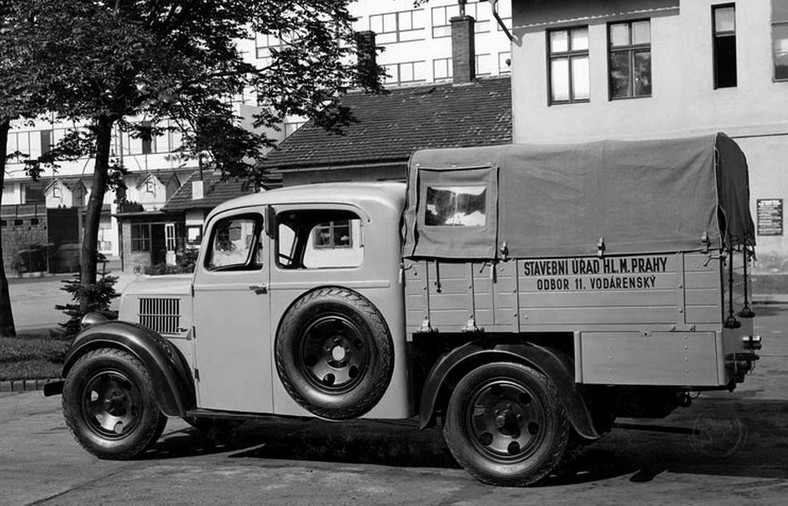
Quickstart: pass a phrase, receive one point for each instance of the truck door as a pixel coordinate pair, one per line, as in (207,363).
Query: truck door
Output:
(232,314)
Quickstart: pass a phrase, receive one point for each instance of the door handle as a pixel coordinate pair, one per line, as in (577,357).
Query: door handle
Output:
(259,289)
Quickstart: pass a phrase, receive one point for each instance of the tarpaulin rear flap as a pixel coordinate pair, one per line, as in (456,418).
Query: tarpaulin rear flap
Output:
(466,166)
(637,196)
(456,214)
(734,192)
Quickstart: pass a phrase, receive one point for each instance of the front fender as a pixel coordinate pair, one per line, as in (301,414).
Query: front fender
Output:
(172,381)
(465,358)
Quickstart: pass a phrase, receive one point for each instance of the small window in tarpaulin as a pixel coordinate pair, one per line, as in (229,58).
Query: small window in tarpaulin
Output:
(456,213)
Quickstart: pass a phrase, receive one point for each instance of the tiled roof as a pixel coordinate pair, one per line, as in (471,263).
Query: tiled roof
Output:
(390,127)
(215,190)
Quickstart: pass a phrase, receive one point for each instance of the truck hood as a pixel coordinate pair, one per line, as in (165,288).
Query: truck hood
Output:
(172,284)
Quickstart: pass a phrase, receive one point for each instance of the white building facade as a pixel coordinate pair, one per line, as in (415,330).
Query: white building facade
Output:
(587,70)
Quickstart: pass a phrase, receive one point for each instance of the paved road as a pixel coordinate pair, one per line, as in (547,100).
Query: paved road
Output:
(33,300)
(297,462)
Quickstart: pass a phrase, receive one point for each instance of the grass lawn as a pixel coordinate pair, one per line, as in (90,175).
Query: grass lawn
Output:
(32,355)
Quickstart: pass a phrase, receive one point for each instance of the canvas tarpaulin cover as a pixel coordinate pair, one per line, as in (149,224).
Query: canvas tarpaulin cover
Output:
(565,200)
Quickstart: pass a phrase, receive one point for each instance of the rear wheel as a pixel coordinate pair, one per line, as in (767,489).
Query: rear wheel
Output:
(505,424)
(109,405)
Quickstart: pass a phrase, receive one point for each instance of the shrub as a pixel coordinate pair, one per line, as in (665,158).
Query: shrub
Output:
(99,296)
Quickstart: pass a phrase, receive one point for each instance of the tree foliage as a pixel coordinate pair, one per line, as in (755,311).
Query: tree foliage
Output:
(113,62)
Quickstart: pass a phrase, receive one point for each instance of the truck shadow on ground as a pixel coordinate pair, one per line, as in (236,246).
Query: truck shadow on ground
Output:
(391,443)
(737,438)
(732,437)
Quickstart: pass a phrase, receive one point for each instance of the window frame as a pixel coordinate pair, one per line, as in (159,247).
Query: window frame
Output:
(716,38)
(631,49)
(570,54)
(398,66)
(381,36)
(505,66)
(249,264)
(331,226)
(777,23)
(141,244)
(479,60)
(442,62)
(481,24)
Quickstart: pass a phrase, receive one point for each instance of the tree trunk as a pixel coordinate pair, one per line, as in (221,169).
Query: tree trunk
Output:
(87,270)
(7,328)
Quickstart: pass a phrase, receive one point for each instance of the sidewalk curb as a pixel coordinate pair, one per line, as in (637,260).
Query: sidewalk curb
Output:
(27,385)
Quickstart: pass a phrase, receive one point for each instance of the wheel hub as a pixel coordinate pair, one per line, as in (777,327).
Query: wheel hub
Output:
(508,422)
(333,353)
(115,403)
(111,404)
(505,421)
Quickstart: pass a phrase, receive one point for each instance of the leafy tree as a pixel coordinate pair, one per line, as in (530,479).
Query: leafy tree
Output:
(15,101)
(107,62)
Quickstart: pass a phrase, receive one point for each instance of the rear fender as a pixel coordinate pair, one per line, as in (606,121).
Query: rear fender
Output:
(169,371)
(557,366)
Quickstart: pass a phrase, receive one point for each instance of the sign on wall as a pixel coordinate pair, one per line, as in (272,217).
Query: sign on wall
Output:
(770,216)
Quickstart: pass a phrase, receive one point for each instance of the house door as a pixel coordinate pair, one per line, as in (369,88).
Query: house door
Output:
(231,316)
(158,251)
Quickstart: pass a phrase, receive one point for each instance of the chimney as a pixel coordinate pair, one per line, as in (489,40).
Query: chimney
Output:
(198,190)
(367,55)
(463,49)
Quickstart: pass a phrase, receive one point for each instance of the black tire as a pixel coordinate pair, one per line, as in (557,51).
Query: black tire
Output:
(334,353)
(109,405)
(505,424)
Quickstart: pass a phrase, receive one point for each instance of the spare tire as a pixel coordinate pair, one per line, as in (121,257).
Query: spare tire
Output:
(334,353)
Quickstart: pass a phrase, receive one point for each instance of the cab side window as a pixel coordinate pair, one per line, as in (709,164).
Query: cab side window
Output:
(235,244)
(319,239)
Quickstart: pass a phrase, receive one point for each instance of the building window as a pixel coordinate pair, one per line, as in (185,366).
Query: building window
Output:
(504,62)
(263,43)
(193,235)
(630,59)
(406,72)
(780,39)
(404,26)
(105,238)
(483,64)
(146,136)
(569,68)
(46,141)
(442,69)
(169,236)
(724,17)
(140,237)
(34,195)
(334,234)
(441,18)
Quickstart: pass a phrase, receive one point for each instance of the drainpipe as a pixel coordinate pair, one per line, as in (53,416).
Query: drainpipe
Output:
(494,6)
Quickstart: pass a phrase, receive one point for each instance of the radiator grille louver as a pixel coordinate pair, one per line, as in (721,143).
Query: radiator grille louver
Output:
(160,315)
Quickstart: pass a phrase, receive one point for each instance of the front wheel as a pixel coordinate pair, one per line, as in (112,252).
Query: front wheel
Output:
(109,405)
(506,425)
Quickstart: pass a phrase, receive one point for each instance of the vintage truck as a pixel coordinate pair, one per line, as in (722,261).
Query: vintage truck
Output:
(521,297)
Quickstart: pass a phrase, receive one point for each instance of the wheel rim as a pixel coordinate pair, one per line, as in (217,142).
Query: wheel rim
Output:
(333,355)
(505,420)
(111,404)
